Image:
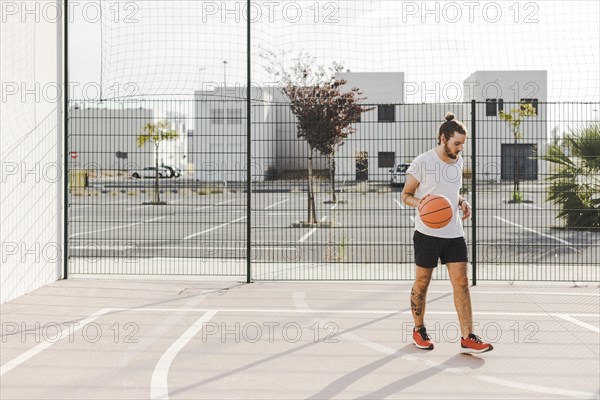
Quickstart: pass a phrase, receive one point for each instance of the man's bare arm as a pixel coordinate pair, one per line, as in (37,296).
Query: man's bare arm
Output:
(408,193)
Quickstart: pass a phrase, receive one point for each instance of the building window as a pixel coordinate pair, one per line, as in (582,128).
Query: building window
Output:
(386,113)
(518,161)
(491,107)
(386,159)
(216,116)
(533,102)
(234,116)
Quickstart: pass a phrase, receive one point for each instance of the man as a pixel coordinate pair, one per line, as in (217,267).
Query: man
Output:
(439,171)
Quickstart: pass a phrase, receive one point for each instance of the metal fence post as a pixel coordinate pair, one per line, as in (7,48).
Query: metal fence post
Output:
(248,157)
(65,138)
(474,191)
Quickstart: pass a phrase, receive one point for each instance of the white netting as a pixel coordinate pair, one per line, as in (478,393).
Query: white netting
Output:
(17,77)
(31,170)
(175,47)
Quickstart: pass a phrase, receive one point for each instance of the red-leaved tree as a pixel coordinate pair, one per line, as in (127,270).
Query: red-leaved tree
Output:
(325,113)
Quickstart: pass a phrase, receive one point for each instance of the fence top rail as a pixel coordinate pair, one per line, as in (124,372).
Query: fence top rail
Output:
(122,102)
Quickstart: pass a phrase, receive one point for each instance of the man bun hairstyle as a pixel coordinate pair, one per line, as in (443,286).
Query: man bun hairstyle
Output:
(449,127)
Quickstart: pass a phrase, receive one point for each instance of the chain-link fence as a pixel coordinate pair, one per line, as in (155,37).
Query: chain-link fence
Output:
(179,205)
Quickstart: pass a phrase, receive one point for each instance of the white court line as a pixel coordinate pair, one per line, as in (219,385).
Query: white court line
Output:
(104,376)
(155,219)
(400,204)
(212,229)
(443,292)
(313,230)
(534,231)
(300,302)
(273,205)
(106,229)
(343,311)
(578,322)
(159,387)
(68,332)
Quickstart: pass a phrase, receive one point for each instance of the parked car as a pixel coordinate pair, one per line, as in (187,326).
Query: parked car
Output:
(150,172)
(398,177)
(174,172)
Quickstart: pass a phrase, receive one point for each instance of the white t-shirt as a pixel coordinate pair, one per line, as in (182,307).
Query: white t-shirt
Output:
(437,177)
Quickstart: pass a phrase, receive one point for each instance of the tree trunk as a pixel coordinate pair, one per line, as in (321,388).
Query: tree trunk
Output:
(517,172)
(332,176)
(312,214)
(156,192)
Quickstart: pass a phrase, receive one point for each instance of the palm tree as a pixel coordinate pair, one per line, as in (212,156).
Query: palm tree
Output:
(156,133)
(575,188)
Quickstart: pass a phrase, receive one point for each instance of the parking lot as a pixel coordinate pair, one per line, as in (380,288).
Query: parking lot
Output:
(370,227)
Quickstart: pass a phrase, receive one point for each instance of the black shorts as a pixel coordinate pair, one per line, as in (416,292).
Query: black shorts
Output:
(428,249)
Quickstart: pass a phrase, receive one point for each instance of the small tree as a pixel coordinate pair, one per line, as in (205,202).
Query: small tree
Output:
(575,188)
(156,133)
(325,114)
(514,119)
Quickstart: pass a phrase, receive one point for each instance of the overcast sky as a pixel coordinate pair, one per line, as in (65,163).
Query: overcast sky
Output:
(172,47)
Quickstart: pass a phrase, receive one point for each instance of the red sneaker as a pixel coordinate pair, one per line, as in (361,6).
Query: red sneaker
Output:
(421,339)
(474,344)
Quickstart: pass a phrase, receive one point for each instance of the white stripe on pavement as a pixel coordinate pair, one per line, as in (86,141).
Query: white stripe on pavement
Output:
(106,229)
(534,231)
(273,205)
(313,230)
(67,332)
(578,322)
(212,229)
(159,386)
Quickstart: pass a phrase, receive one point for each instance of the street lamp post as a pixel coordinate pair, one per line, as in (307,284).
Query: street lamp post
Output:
(224,73)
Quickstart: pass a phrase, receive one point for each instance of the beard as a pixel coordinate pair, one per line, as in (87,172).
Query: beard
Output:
(449,153)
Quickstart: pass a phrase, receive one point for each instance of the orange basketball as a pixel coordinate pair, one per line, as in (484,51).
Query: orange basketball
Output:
(436,211)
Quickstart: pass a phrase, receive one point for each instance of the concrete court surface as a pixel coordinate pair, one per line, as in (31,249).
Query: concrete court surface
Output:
(147,338)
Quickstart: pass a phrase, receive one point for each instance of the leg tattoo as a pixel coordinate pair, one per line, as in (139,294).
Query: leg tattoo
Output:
(416,302)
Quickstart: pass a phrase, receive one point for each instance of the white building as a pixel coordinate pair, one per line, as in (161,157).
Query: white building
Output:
(391,132)
(496,146)
(218,149)
(174,153)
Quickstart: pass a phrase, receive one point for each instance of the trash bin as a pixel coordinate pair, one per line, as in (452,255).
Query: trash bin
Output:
(78,179)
